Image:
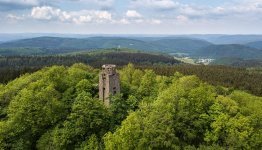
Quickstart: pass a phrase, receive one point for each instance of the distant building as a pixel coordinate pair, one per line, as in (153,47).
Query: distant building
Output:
(109,83)
(205,61)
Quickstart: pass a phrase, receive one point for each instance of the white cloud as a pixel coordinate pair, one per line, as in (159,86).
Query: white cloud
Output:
(164,4)
(101,3)
(192,11)
(133,14)
(182,18)
(82,19)
(13,17)
(155,21)
(242,9)
(105,3)
(78,17)
(8,5)
(104,15)
(37,2)
(250,6)
(155,4)
(22,2)
(46,13)
(123,21)
(139,21)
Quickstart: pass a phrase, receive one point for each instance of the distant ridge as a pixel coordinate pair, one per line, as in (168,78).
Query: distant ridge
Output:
(235,39)
(238,62)
(186,45)
(59,45)
(191,46)
(257,44)
(213,38)
(229,50)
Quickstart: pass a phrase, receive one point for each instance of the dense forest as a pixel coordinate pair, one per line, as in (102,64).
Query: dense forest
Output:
(238,62)
(14,66)
(95,59)
(235,78)
(58,108)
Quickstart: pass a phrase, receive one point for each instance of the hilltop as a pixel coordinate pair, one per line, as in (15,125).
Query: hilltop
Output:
(229,50)
(58,108)
(189,46)
(257,44)
(51,45)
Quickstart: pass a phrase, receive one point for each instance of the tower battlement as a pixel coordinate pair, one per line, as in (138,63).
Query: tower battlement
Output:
(109,69)
(109,83)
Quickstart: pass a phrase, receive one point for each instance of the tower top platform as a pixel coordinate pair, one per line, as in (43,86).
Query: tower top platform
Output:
(109,69)
(108,66)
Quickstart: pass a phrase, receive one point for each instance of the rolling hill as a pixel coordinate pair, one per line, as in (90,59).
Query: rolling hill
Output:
(238,62)
(51,45)
(115,42)
(185,45)
(235,39)
(257,44)
(191,46)
(47,42)
(229,50)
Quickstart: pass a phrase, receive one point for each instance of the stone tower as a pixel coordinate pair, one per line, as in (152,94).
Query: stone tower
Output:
(109,83)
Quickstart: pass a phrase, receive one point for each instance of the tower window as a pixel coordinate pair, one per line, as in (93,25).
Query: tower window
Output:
(114,90)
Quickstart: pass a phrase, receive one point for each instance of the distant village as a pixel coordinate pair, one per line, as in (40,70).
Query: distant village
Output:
(204,61)
(186,59)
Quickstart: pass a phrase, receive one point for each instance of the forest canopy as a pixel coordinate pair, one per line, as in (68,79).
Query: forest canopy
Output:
(58,108)
(246,79)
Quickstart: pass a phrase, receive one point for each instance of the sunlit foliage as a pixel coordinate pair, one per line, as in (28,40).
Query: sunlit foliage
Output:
(58,108)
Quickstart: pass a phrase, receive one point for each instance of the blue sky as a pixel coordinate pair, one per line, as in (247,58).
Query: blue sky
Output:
(131,16)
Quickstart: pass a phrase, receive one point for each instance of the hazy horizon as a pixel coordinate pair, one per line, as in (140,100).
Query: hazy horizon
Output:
(131,34)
